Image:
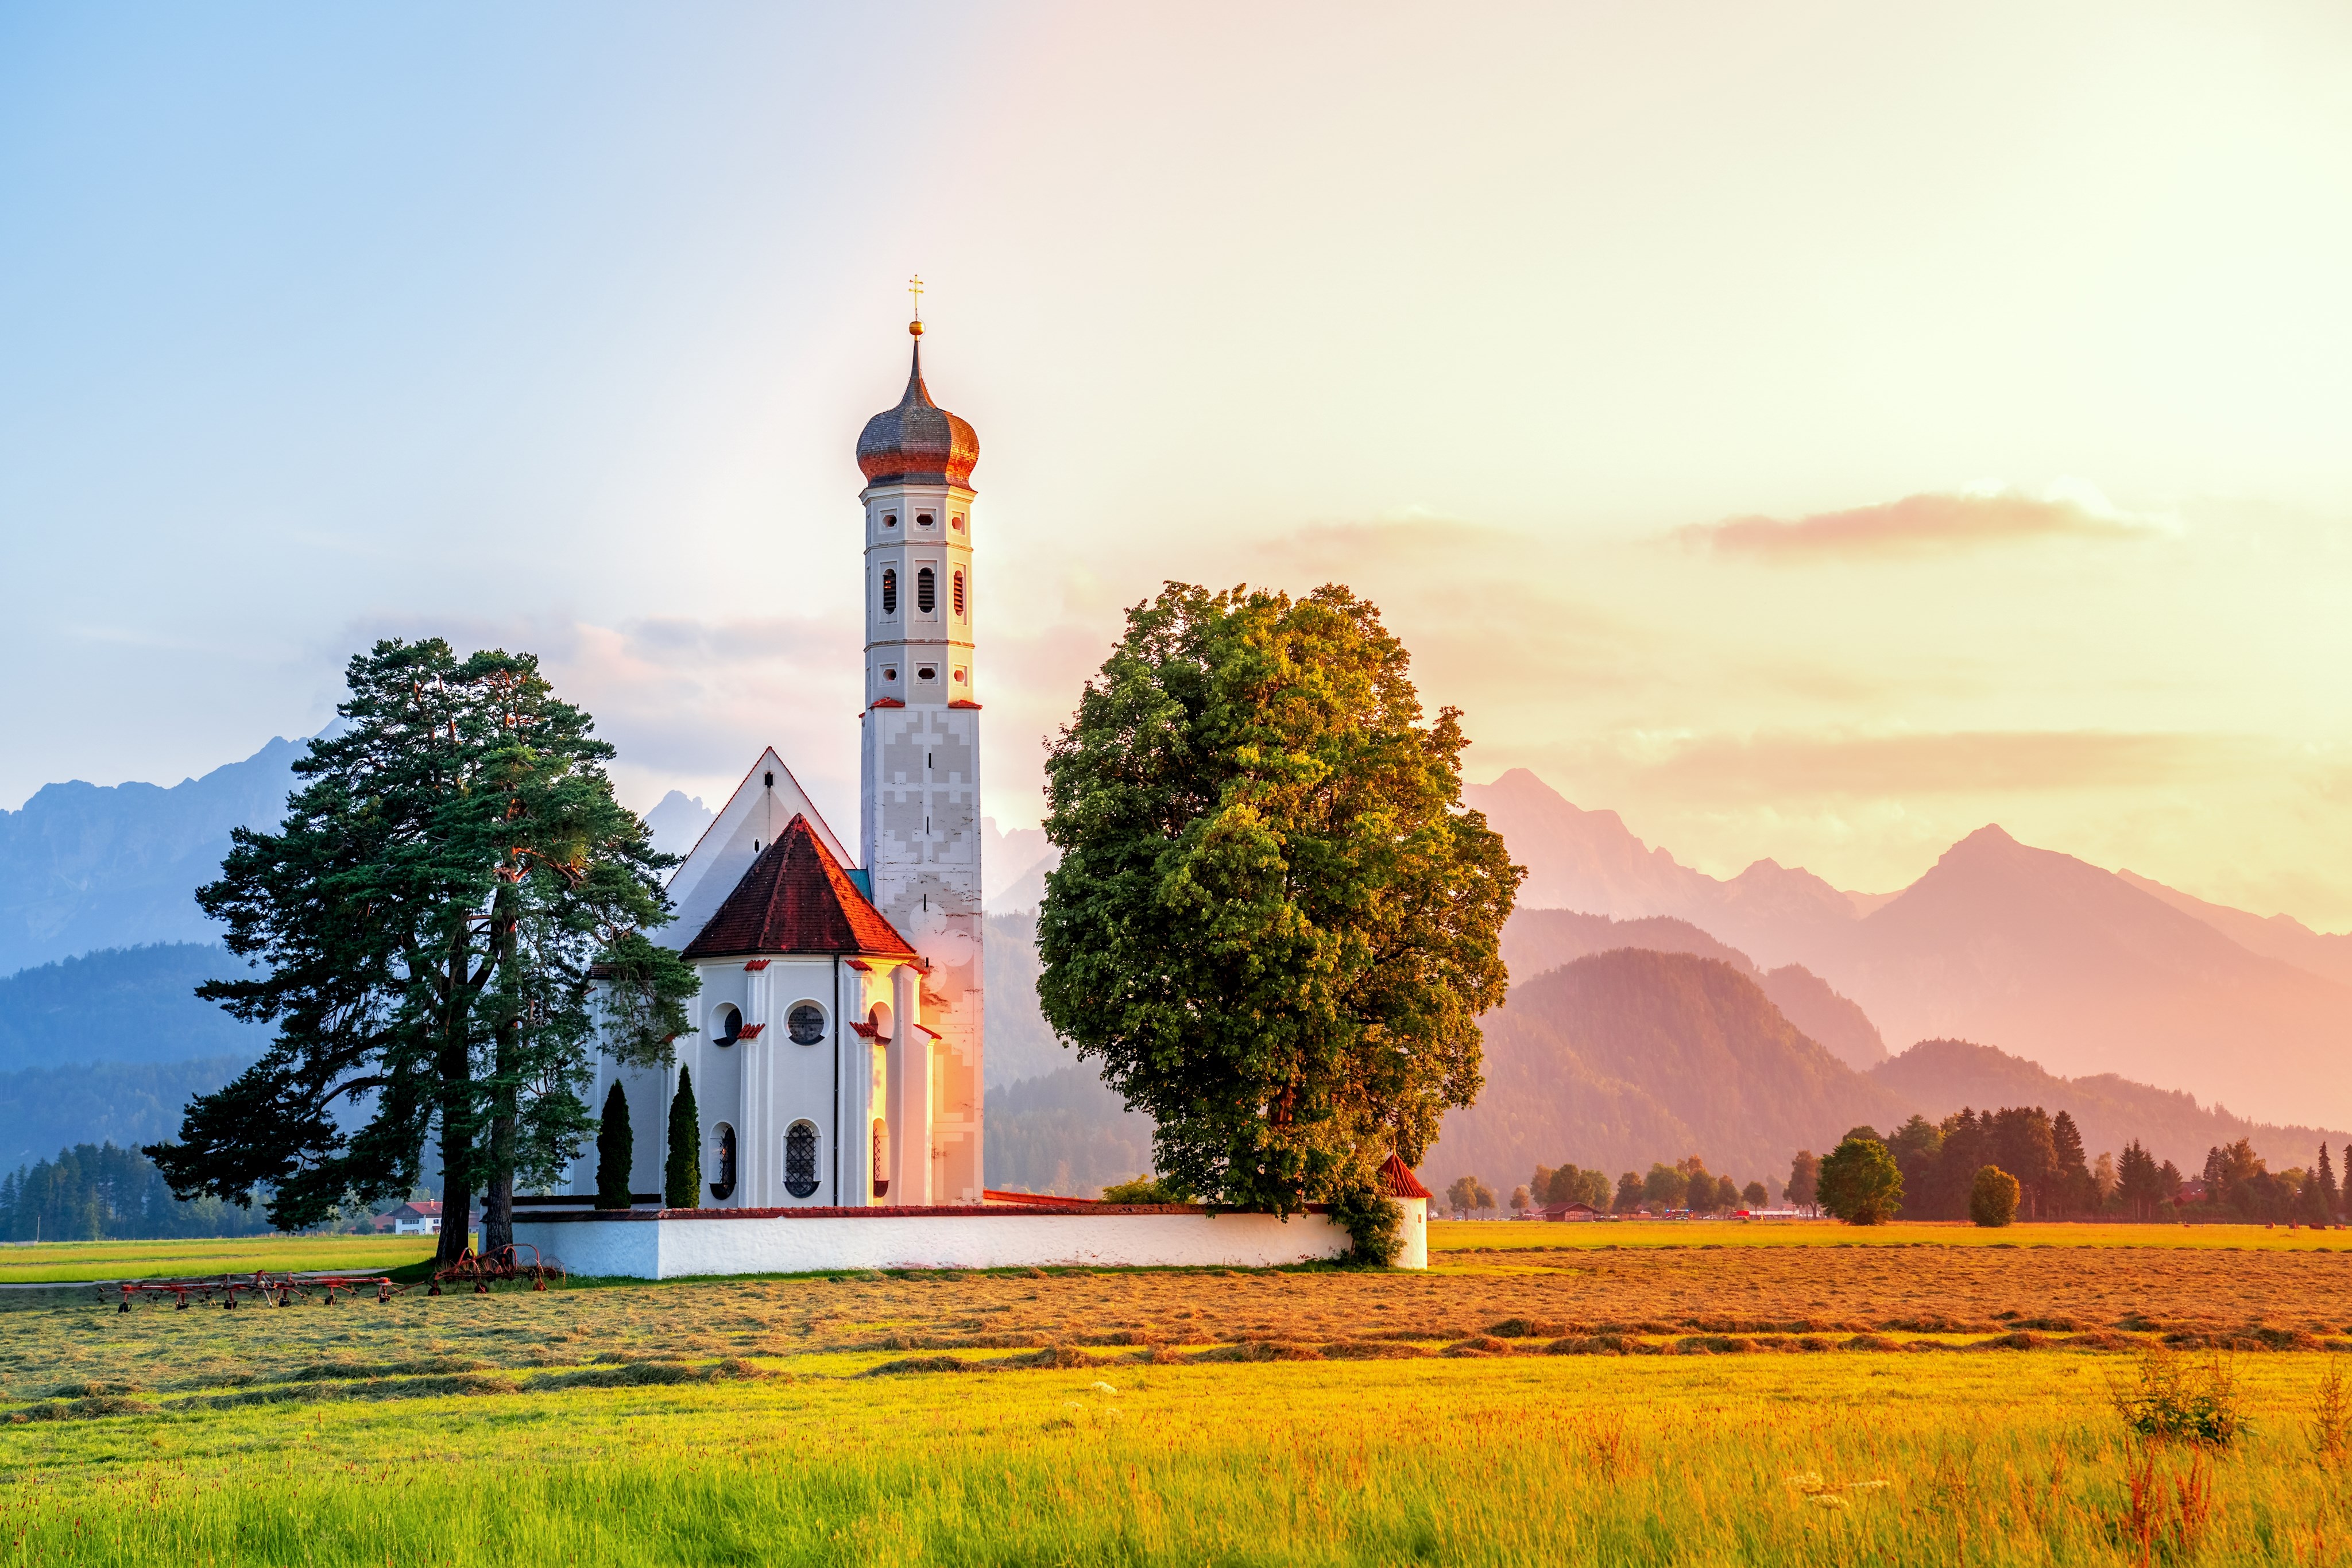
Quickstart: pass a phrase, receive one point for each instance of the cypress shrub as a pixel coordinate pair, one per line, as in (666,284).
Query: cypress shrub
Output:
(682,1170)
(615,1152)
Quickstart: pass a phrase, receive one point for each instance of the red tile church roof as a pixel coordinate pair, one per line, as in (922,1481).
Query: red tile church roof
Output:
(797,899)
(1397,1180)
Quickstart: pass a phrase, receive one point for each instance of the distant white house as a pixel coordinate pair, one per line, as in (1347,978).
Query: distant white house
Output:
(421,1218)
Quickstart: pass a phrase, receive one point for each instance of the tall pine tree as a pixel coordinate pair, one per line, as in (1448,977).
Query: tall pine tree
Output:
(424,922)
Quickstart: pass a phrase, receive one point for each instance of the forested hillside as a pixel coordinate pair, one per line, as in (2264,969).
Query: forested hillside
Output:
(1939,1076)
(128,1003)
(1536,940)
(1064,1133)
(44,1109)
(1632,1056)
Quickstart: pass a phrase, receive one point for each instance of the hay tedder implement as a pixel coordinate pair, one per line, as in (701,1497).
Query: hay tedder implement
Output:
(503,1266)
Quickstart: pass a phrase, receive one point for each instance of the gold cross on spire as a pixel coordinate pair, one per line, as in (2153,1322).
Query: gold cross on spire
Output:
(915,287)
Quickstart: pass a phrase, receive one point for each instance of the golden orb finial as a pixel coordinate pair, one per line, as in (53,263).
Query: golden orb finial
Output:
(915,287)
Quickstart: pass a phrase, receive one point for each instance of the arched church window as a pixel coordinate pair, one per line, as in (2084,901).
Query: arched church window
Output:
(889,591)
(726,1024)
(799,1159)
(927,593)
(805,1023)
(881,1159)
(959,595)
(724,1187)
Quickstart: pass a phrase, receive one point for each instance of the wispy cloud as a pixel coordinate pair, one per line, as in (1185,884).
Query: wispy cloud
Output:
(1818,766)
(1978,517)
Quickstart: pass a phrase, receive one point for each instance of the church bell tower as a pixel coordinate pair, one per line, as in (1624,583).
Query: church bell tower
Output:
(920,775)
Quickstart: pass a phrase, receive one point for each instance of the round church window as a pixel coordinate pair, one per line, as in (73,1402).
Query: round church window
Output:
(805,1023)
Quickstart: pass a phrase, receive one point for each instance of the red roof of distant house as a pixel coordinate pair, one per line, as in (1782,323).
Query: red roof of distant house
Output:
(1398,1181)
(428,1207)
(797,899)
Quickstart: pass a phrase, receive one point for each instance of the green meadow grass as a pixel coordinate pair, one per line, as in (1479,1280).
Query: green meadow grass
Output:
(1522,1459)
(1942,1403)
(64,1261)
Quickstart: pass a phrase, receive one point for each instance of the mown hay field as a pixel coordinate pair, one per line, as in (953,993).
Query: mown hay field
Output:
(1492,1235)
(1653,1404)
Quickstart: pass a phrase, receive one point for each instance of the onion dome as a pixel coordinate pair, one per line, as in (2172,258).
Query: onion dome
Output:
(918,441)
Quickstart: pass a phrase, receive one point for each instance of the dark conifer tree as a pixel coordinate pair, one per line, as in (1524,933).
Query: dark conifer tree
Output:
(682,1169)
(615,1152)
(2072,1189)
(2138,1182)
(425,921)
(2331,1200)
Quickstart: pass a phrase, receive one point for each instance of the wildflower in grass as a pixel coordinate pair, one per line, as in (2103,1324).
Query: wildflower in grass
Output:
(2168,1397)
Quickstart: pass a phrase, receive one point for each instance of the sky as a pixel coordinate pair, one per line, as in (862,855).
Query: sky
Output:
(1810,430)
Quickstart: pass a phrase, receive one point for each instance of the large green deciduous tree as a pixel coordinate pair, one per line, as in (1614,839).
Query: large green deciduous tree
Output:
(1860,1182)
(1273,923)
(425,921)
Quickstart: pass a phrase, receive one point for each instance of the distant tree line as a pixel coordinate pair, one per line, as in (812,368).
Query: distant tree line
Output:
(1684,1186)
(2021,1162)
(98,1192)
(2237,1184)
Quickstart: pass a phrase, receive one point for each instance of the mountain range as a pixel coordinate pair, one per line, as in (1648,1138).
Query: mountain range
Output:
(1629,1055)
(2084,970)
(84,866)
(2080,982)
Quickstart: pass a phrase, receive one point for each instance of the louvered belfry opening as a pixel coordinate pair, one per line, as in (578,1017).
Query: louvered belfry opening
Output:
(889,591)
(926,591)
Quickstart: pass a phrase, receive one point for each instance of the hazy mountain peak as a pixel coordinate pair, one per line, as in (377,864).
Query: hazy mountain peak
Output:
(678,822)
(89,866)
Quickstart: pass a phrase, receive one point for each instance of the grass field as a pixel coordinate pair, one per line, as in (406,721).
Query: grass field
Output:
(53,1261)
(1653,1404)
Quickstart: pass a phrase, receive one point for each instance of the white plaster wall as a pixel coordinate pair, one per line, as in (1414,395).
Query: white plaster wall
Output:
(668,1248)
(1415,1254)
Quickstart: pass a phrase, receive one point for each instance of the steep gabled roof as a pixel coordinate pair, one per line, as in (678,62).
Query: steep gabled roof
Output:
(1397,1180)
(796,899)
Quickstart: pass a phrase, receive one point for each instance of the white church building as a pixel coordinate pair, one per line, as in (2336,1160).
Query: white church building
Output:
(838,1031)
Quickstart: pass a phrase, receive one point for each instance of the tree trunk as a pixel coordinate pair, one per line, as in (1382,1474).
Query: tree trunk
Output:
(457,1180)
(457,1096)
(498,1202)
